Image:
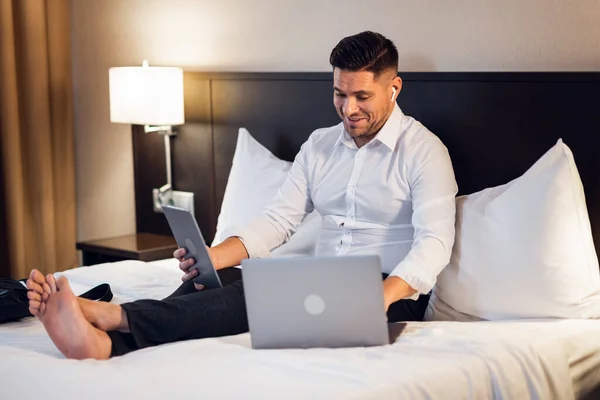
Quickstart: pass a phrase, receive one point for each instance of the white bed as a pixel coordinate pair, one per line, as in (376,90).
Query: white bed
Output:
(551,359)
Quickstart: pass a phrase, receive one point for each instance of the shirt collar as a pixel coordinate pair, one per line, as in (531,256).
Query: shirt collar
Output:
(344,138)
(388,134)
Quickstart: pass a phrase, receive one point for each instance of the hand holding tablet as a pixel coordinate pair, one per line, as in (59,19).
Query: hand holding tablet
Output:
(188,236)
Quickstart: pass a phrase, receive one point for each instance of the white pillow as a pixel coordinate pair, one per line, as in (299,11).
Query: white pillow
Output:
(523,249)
(256,175)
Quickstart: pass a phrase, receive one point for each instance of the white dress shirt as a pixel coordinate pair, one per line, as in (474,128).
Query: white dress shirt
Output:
(393,197)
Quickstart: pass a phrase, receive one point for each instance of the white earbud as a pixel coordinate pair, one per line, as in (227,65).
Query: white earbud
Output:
(393,94)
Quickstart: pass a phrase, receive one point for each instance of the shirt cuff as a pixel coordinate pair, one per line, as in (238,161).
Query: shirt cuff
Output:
(421,284)
(254,245)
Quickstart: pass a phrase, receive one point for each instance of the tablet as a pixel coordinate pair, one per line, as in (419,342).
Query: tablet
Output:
(188,236)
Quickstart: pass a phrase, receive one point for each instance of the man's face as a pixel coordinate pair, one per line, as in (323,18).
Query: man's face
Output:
(363,101)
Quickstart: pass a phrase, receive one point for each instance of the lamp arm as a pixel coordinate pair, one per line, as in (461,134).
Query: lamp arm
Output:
(168,161)
(162,129)
(163,194)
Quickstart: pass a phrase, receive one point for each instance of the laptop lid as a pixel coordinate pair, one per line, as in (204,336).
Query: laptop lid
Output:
(315,302)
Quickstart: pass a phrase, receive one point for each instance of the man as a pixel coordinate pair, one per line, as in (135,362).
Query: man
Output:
(382,182)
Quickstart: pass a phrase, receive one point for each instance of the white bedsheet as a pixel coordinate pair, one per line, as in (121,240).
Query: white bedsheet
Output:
(557,359)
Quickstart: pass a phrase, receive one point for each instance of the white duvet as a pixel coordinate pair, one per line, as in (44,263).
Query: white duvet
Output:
(557,359)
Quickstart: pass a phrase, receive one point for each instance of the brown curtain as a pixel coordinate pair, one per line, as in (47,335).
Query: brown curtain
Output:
(36,138)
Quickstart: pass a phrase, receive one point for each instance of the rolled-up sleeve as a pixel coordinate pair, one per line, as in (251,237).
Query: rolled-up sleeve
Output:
(278,221)
(433,191)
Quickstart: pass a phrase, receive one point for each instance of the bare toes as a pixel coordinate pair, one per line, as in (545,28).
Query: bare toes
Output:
(34,311)
(31,295)
(34,304)
(42,308)
(45,297)
(51,283)
(32,285)
(37,277)
(46,288)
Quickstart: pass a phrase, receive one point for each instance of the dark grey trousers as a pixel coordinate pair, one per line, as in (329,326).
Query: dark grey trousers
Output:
(191,314)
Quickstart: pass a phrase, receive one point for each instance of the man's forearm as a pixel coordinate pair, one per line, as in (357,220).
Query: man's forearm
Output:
(229,253)
(394,289)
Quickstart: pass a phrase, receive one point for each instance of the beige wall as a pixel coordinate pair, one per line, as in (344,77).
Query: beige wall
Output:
(294,35)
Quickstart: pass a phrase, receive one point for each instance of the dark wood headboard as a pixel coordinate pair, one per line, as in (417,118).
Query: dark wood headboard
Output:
(495,125)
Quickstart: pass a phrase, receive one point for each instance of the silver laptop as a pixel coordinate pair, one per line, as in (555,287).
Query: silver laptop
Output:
(315,302)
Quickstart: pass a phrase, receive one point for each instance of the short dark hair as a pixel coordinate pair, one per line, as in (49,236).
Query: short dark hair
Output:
(365,51)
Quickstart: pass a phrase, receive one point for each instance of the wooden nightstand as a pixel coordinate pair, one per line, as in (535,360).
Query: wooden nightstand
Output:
(142,246)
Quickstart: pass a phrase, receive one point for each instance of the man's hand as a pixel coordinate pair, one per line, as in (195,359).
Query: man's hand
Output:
(185,265)
(394,289)
(229,253)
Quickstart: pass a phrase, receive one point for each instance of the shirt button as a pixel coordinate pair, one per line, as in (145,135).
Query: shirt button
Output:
(347,232)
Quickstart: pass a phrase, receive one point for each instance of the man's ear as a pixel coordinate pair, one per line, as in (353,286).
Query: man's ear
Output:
(396,87)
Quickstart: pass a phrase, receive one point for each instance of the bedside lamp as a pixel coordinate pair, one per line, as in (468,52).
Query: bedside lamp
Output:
(153,97)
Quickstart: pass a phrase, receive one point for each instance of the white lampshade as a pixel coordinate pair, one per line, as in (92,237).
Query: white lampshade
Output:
(146,95)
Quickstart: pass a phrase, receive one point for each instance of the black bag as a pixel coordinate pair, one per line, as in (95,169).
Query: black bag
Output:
(14,303)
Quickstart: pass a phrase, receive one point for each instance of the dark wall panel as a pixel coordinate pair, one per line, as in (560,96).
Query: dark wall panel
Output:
(280,114)
(496,125)
(496,130)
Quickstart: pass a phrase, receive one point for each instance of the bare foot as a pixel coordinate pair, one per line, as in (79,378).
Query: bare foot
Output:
(72,334)
(104,316)
(39,291)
